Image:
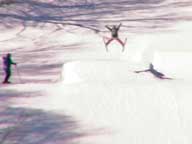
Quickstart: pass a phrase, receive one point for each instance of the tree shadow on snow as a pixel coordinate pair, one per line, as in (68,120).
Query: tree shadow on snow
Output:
(38,65)
(6,95)
(29,126)
(95,15)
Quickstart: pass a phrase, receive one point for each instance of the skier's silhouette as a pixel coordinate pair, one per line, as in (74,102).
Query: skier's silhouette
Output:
(154,72)
(7,62)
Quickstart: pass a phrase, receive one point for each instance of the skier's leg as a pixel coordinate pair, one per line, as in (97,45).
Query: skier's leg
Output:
(7,76)
(109,41)
(166,78)
(120,41)
(105,38)
(162,77)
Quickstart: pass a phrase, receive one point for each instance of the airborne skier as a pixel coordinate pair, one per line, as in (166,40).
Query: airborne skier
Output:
(114,35)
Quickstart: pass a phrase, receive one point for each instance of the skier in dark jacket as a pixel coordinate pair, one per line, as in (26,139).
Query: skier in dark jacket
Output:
(154,72)
(114,30)
(7,62)
(114,35)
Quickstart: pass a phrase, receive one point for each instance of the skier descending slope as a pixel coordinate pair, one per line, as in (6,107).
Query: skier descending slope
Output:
(114,36)
(7,62)
(154,72)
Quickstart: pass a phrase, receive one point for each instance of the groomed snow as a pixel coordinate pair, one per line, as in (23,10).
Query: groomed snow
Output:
(98,88)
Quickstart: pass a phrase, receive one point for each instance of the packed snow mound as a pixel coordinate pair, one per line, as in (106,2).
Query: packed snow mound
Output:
(118,71)
(172,64)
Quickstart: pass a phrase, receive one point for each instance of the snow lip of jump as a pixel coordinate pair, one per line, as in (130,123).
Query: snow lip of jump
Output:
(103,71)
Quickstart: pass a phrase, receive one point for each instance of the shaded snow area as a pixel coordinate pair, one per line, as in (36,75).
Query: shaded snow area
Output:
(67,89)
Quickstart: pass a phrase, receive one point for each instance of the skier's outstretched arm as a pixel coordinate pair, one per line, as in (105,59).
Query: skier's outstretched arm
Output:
(141,71)
(12,62)
(119,26)
(108,28)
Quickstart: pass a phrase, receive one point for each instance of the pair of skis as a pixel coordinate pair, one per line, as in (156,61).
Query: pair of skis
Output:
(117,39)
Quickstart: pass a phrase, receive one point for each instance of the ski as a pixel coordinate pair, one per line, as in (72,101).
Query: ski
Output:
(125,41)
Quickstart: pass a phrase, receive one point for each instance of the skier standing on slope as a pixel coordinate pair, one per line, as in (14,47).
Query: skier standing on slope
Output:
(114,35)
(154,72)
(7,62)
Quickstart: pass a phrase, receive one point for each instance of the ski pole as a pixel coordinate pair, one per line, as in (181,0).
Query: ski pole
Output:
(18,74)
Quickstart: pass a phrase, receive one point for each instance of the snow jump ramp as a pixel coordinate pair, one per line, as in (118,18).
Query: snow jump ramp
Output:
(172,64)
(99,71)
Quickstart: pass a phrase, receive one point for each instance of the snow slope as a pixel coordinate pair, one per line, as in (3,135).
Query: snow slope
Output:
(73,91)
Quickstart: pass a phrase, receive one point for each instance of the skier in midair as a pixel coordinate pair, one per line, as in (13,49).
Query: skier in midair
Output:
(154,72)
(7,62)
(114,35)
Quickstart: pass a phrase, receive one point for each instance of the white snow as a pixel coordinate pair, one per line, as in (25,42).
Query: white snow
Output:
(99,88)
(175,64)
(105,71)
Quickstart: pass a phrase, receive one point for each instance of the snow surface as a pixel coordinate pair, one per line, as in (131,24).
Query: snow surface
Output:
(70,90)
(100,90)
